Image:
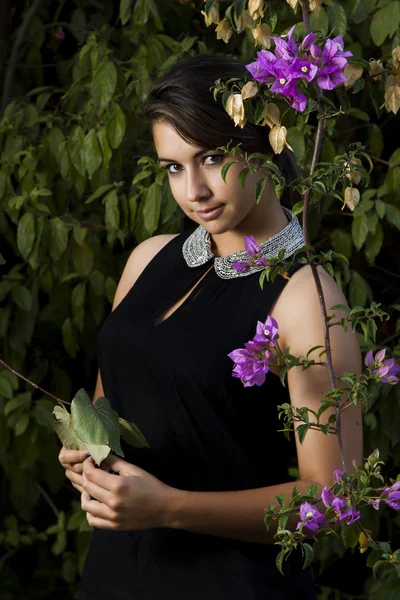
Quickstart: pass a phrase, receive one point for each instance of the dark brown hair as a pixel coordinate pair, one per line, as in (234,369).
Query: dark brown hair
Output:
(182,96)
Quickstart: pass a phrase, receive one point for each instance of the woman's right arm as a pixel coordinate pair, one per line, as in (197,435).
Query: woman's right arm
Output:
(72,460)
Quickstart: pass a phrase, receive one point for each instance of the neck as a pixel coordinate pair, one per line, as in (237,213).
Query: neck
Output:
(265,220)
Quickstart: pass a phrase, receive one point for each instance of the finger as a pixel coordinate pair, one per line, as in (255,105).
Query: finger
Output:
(74,478)
(98,477)
(121,466)
(72,456)
(97,514)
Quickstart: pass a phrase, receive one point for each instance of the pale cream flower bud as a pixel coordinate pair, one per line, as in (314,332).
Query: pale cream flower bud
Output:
(352,73)
(272,116)
(213,17)
(261,35)
(351,198)
(235,109)
(224,31)
(396,58)
(256,9)
(277,138)
(249,90)
(375,68)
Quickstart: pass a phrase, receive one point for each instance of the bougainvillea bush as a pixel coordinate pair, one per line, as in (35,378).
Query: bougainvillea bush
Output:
(80,187)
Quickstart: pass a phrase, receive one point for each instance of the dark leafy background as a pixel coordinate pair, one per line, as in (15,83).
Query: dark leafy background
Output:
(79,188)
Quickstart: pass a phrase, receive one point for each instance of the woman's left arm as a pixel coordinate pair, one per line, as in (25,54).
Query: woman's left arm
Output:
(136,500)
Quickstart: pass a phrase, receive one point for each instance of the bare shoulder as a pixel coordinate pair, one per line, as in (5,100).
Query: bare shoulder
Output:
(138,261)
(298,307)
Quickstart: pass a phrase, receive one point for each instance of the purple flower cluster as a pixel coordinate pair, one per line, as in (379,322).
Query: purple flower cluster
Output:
(289,65)
(341,507)
(252,361)
(386,370)
(257,259)
(390,495)
(313,519)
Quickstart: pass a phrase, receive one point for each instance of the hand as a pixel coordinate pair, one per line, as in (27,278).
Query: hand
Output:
(72,461)
(130,499)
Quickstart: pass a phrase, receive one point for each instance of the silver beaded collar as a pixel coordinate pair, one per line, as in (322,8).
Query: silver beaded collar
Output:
(197,249)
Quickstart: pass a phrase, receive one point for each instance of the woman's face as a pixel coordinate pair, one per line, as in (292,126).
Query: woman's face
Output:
(197,186)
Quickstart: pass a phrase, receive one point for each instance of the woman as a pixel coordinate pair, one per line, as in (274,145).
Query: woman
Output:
(185,517)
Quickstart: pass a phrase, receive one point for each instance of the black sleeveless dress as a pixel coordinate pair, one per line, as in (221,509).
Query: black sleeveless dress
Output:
(206,431)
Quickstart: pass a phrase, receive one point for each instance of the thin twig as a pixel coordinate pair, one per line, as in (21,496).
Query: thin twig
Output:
(9,77)
(48,500)
(318,285)
(35,385)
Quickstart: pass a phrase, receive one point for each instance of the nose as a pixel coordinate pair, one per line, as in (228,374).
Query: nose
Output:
(197,188)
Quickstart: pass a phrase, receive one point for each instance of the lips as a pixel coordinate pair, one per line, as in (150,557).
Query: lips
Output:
(208,214)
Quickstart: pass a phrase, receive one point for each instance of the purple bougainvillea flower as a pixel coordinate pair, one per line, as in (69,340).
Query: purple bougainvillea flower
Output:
(286,50)
(303,68)
(393,496)
(343,511)
(266,332)
(386,370)
(241,266)
(297,101)
(263,69)
(333,52)
(251,245)
(311,517)
(330,77)
(283,76)
(390,495)
(308,40)
(262,262)
(252,362)
(338,475)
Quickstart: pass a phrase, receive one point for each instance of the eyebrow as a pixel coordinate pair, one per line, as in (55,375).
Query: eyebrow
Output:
(199,153)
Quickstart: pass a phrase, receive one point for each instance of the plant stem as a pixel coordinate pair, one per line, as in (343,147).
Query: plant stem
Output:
(9,76)
(48,500)
(318,285)
(35,385)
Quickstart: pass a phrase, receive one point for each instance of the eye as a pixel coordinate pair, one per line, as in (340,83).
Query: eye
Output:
(174,168)
(213,159)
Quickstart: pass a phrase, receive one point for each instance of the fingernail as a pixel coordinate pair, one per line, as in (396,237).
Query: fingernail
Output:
(88,455)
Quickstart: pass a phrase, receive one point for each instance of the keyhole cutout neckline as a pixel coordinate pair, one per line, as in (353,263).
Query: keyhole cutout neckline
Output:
(177,305)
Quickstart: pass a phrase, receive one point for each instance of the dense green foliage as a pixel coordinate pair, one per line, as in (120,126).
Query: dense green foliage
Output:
(79,188)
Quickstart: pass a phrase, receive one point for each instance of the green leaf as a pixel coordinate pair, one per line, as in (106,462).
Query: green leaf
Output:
(141,12)
(242,177)
(22,297)
(337,19)
(152,207)
(279,561)
(225,169)
(374,243)
(385,22)
(298,208)
(358,290)
(105,147)
(92,153)
(21,424)
(58,238)
(392,214)
(132,435)
(82,258)
(350,534)
(359,230)
(308,554)
(103,84)
(18,402)
(155,14)
(341,242)
(301,432)
(95,424)
(125,11)
(75,150)
(112,214)
(5,388)
(319,21)
(99,192)
(26,234)
(69,339)
(116,126)
(260,186)
(63,427)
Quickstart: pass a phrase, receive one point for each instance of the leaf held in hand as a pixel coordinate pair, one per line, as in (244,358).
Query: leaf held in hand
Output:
(63,428)
(131,434)
(95,424)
